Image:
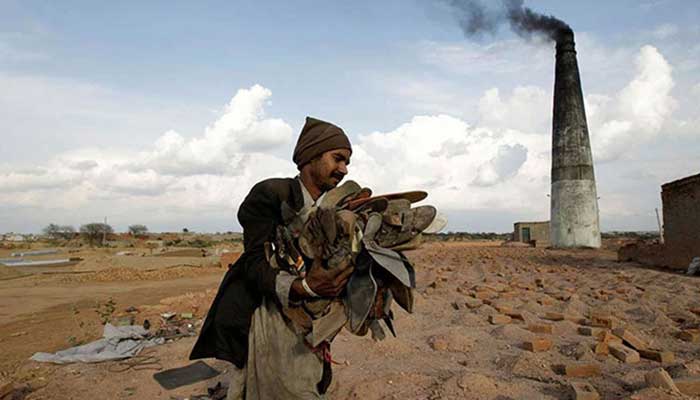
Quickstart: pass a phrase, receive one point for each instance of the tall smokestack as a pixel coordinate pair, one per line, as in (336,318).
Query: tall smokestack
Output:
(574,201)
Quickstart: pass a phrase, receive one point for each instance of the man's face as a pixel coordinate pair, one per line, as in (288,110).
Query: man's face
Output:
(329,169)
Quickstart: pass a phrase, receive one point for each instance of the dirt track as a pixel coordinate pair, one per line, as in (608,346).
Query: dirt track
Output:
(445,350)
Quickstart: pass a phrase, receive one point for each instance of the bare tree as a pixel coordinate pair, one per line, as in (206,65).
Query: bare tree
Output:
(138,229)
(95,232)
(56,232)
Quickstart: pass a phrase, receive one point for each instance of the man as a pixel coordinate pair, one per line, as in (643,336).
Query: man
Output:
(245,325)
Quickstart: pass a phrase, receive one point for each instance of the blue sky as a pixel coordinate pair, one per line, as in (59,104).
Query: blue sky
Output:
(85,81)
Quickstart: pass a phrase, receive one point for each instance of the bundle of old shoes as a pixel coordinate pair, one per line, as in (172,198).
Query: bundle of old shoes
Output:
(351,227)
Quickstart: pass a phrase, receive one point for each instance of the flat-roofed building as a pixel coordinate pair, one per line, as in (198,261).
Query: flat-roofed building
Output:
(535,233)
(681,211)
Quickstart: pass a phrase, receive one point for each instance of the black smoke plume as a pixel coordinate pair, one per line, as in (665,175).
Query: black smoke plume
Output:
(475,18)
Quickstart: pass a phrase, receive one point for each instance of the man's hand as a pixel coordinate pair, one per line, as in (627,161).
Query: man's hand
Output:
(323,282)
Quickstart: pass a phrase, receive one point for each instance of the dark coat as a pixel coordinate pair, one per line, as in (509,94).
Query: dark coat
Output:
(224,334)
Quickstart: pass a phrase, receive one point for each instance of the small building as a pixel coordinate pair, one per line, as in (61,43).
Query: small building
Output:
(681,211)
(535,233)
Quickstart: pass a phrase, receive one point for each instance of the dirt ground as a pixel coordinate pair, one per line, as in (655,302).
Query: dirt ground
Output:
(451,347)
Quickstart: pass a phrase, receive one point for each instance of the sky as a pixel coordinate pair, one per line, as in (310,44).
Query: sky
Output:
(167,113)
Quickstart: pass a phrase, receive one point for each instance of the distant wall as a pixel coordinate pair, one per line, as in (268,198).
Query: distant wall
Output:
(681,211)
(539,232)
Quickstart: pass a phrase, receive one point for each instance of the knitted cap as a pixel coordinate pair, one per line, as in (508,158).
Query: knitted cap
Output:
(316,138)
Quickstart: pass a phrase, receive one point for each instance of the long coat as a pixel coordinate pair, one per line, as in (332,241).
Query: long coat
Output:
(224,334)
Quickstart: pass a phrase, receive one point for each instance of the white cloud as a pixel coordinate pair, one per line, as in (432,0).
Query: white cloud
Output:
(241,130)
(528,109)
(490,167)
(213,170)
(637,113)
(665,31)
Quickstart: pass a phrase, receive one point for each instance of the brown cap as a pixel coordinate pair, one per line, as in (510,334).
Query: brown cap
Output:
(316,138)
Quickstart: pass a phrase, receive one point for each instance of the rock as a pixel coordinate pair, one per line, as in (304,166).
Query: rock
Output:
(438,343)
(661,379)
(531,366)
(499,319)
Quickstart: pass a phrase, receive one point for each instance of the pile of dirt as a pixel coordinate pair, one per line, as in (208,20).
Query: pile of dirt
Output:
(132,274)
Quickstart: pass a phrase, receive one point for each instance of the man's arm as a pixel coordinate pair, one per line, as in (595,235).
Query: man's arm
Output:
(258,216)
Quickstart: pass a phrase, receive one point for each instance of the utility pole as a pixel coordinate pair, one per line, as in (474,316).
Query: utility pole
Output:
(661,229)
(104,232)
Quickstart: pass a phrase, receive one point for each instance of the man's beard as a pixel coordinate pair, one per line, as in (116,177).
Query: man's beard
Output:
(329,184)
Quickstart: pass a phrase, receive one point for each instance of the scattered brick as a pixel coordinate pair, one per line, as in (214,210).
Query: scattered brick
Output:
(661,379)
(584,391)
(554,316)
(577,319)
(499,319)
(690,335)
(581,370)
(503,309)
(602,321)
(540,328)
(623,353)
(631,339)
(664,357)
(589,331)
(545,301)
(537,345)
(473,303)
(688,386)
(516,315)
(602,349)
(607,337)
(484,294)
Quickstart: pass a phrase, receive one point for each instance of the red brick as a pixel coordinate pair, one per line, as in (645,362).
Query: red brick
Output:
(607,337)
(664,357)
(601,348)
(630,338)
(661,379)
(537,345)
(554,316)
(690,335)
(584,391)
(623,353)
(589,331)
(473,303)
(581,370)
(540,328)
